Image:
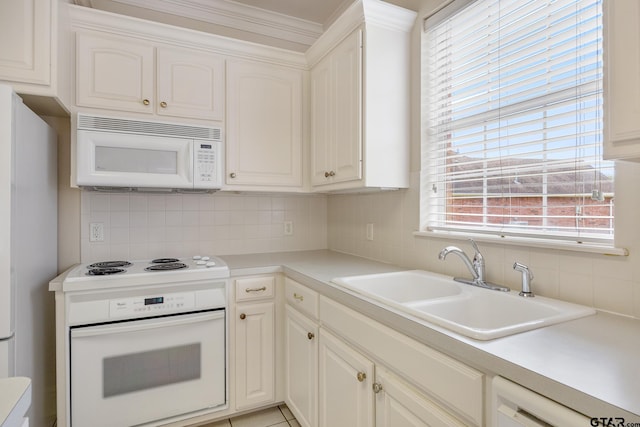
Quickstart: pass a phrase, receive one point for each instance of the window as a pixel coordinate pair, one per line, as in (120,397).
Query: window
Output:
(512,120)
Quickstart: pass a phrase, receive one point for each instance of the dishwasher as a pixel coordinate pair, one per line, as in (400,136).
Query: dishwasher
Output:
(515,406)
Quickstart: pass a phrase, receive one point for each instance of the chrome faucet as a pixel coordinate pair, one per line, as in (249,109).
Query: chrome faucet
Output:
(527,277)
(475,266)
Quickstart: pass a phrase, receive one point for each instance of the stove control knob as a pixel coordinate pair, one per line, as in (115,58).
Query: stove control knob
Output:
(197,257)
(201,262)
(206,258)
(211,264)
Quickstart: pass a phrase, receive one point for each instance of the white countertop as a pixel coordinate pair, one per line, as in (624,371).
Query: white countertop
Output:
(15,399)
(590,364)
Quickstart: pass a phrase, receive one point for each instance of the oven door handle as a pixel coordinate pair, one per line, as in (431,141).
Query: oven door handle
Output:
(145,324)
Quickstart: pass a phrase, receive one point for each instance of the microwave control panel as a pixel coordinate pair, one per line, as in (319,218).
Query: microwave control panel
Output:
(207,163)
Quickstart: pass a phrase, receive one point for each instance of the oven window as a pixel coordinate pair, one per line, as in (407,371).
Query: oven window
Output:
(149,369)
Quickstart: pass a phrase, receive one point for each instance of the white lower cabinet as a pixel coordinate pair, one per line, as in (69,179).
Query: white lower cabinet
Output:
(254,337)
(301,367)
(346,377)
(401,405)
(344,369)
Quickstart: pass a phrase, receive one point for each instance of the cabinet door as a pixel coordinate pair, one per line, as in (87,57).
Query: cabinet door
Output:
(346,395)
(399,405)
(322,110)
(264,124)
(114,73)
(622,79)
(255,357)
(347,95)
(301,353)
(190,84)
(25,41)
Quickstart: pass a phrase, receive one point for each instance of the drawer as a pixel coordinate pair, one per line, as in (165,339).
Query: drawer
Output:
(253,288)
(301,297)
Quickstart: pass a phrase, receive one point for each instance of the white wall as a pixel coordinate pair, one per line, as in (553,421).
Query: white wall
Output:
(605,282)
(143,226)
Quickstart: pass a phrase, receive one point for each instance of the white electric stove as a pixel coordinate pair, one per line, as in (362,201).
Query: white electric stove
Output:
(141,342)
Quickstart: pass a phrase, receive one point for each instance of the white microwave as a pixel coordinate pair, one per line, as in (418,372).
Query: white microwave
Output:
(141,155)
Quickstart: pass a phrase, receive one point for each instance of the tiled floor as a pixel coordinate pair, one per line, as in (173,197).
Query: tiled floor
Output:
(279,416)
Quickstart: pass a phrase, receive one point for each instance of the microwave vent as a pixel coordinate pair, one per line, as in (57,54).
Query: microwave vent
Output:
(112,124)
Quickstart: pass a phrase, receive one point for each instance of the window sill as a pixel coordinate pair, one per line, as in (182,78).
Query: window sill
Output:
(589,247)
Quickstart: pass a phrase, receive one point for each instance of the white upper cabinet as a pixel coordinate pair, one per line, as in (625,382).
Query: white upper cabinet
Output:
(115,73)
(190,84)
(125,74)
(34,53)
(264,125)
(360,99)
(336,131)
(25,50)
(622,79)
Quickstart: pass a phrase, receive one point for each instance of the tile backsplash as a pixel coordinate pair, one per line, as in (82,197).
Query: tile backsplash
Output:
(146,225)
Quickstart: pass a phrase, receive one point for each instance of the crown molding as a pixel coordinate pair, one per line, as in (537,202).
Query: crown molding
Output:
(85,18)
(233,15)
(368,12)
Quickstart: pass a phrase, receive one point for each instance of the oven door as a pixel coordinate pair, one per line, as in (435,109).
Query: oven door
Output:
(133,372)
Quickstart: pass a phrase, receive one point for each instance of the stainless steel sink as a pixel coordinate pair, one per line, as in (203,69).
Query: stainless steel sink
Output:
(474,312)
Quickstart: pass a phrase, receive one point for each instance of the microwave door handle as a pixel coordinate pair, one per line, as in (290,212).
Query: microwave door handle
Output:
(190,162)
(145,324)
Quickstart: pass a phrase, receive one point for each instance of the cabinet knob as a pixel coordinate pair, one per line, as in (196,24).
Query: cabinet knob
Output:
(145,102)
(377,388)
(310,335)
(232,174)
(163,104)
(243,316)
(361,376)
(326,174)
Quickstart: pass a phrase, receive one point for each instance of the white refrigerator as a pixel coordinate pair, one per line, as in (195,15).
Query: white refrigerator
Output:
(28,251)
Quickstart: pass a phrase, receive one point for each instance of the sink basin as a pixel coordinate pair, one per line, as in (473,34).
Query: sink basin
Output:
(471,311)
(484,314)
(402,286)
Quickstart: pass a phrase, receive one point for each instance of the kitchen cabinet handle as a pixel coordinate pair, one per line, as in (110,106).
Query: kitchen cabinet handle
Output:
(361,376)
(377,388)
(328,174)
(145,102)
(243,316)
(249,290)
(232,174)
(163,104)
(298,297)
(310,335)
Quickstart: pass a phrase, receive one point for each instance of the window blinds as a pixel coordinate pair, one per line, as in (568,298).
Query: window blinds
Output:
(512,115)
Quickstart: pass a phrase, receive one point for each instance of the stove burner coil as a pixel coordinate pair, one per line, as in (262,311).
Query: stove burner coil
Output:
(165,261)
(109,264)
(102,271)
(166,267)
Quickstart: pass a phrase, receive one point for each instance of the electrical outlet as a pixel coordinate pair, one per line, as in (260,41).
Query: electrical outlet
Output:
(96,232)
(370,231)
(288,228)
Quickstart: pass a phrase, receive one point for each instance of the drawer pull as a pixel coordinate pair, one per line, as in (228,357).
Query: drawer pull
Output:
(249,290)
(243,316)
(298,297)
(361,376)
(310,335)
